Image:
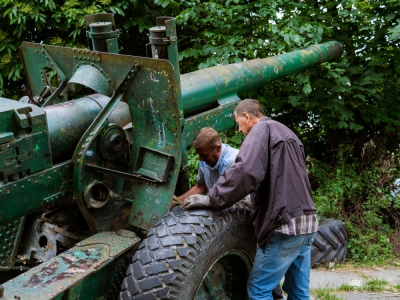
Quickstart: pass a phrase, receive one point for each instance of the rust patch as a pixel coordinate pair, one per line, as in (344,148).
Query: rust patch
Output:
(37,279)
(121,221)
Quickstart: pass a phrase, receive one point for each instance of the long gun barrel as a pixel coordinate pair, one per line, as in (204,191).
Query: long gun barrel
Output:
(201,89)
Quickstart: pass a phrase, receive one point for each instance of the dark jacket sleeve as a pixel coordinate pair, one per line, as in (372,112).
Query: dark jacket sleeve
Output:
(249,170)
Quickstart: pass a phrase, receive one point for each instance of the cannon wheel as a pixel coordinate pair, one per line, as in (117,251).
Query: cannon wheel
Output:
(330,242)
(197,254)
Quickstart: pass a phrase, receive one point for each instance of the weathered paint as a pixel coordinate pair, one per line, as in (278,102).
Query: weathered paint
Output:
(70,269)
(91,76)
(25,147)
(50,186)
(68,121)
(204,88)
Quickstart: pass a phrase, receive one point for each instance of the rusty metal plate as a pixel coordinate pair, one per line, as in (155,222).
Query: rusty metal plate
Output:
(68,269)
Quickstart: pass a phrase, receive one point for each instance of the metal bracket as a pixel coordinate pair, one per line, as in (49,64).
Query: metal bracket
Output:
(163,41)
(62,76)
(119,174)
(87,139)
(95,127)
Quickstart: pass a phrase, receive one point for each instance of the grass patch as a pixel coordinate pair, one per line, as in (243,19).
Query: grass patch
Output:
(325,294)
(375,285)
(347,288)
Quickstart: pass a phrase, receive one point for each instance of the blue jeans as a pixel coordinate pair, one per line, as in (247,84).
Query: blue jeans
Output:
(282,256)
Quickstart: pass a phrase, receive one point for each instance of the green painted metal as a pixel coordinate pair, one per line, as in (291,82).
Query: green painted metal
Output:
(67,122)
(66,126)
(174,59)
(220,118)
(214,86)
(10,234)
(202,89)
(25,145)
(102,32)
(160,117)
(66,61)
(114,158)
(92,77)
(170,25)
(155,104)
(151,97)
(35,192)
(85,271)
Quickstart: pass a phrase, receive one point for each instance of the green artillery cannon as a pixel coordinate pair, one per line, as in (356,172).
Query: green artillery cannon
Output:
(90,160)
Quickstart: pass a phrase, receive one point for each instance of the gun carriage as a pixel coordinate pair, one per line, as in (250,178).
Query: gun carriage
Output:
(90,160)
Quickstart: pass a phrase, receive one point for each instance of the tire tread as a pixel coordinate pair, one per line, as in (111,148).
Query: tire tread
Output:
(330,242)
(171,248)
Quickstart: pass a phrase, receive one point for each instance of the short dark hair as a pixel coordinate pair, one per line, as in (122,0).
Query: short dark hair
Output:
(251,106)
(206,137)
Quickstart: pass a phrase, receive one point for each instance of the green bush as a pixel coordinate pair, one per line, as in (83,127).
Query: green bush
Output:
(362,197)
(193,165)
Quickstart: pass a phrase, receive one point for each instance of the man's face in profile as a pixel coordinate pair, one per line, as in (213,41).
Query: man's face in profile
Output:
(209,155)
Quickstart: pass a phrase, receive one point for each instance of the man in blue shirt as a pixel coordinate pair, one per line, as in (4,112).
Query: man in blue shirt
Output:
(215,157)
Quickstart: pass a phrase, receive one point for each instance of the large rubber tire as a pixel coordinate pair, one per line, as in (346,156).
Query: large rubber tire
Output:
(196,254)
(330,243)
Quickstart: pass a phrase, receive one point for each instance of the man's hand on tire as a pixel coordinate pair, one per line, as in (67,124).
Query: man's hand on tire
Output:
(246,201)
(195,201)
(175,202)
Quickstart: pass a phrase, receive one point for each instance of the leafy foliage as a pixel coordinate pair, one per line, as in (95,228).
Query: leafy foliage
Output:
(193,165)
(363,197)
(62,23)
(349,101)
(233,138)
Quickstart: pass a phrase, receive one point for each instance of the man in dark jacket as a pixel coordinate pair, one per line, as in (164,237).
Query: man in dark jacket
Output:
(271,167)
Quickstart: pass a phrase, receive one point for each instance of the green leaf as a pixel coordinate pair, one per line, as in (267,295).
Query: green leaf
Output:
(286,38)
(307,88)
